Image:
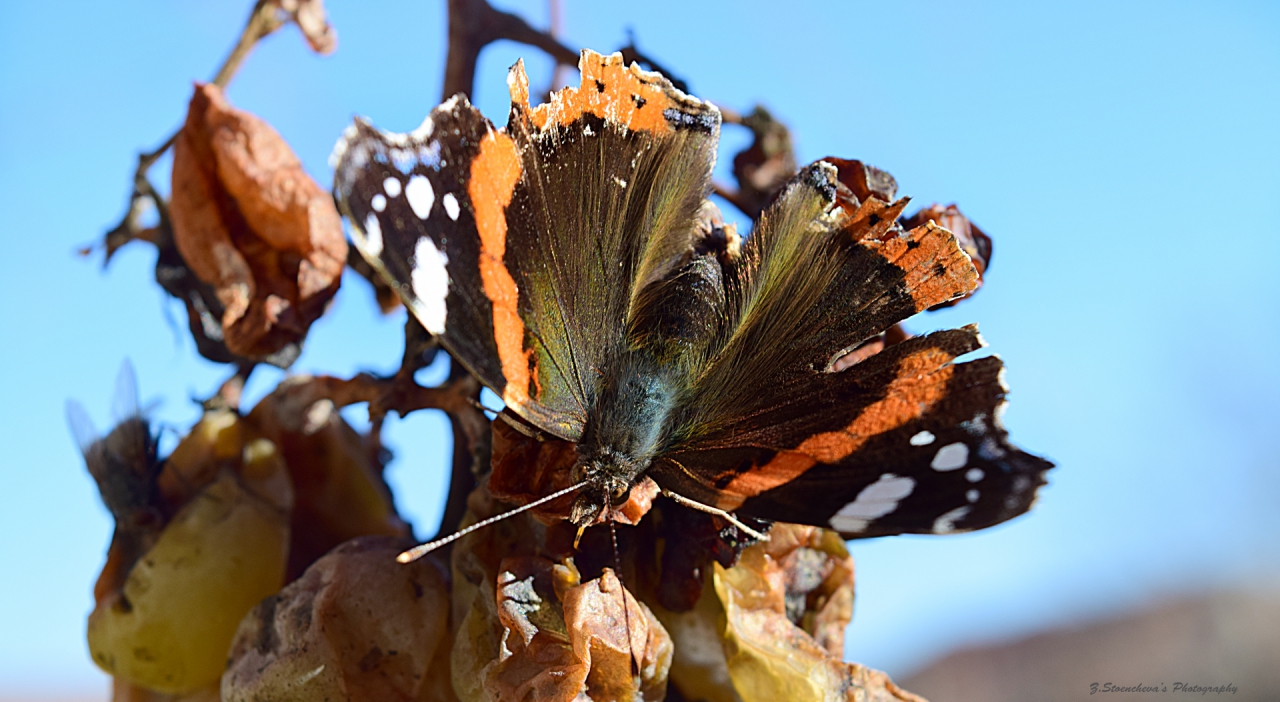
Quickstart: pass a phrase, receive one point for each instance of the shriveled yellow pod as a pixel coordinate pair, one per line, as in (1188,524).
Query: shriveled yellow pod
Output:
(169,628)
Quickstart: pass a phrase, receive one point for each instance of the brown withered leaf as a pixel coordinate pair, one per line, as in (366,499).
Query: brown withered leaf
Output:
(864,180)
(357,626)
(780,595)
(563,641)
(250,222)
(609,628)
(764,167)
(972,240)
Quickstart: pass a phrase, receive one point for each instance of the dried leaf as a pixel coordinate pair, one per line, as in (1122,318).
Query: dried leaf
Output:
(796,579)
(764,167)
(250,222)
(608,628)
(357,626)
(310,17)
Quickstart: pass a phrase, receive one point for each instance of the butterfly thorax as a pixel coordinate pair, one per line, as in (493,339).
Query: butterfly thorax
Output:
(626,427)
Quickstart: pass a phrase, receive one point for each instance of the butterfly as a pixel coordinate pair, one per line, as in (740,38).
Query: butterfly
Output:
(568,261)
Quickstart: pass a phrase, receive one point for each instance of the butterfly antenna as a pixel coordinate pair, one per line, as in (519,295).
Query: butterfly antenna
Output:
(421,550)
(694,504)
(626,611)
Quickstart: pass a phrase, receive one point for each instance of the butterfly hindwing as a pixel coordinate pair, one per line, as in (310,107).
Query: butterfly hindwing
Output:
(819,440)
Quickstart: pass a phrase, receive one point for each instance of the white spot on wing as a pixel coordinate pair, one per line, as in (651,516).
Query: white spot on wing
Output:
(450,206)
(340,148)
(430,282)
(974,475)
(421,196)
(424,130)
(588,131)
(392,186)
(619,182)
(379,202)
(873,501)
(372,236)
(947,522)
(971,495)
(950,457)
(924,438)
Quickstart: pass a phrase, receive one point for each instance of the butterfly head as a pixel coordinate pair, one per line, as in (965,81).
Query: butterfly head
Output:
(609,476)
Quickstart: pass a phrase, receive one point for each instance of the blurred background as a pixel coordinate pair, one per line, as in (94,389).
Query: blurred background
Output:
(1123,156)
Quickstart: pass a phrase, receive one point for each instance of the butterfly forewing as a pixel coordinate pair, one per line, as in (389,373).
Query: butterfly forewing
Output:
(523,248)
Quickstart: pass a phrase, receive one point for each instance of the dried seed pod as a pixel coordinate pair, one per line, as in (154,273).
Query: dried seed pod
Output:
(357,626)
(250,222)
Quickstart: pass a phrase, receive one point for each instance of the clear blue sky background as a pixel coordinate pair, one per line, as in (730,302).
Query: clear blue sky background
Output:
(1125,157)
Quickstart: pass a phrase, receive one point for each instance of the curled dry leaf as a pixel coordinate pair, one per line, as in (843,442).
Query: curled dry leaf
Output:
(167,629)
(764,167)
(529,628)
(250,222)
(310,17)
(785,606)
(337,480)
(357,626)
(972,240)
(561,639)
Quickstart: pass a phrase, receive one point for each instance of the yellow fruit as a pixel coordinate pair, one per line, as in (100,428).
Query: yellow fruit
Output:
(170,627)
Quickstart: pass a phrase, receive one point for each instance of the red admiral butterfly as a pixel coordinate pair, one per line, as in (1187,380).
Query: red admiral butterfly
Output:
(567,262)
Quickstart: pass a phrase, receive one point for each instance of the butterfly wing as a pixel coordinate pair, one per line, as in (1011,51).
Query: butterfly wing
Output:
(904,440)
(524,248)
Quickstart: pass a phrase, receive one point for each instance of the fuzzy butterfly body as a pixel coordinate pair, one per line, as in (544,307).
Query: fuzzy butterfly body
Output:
(569,262)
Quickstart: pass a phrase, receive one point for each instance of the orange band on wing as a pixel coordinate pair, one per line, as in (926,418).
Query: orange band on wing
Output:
(620,94)
(936,268)
(494,175)
(921,380)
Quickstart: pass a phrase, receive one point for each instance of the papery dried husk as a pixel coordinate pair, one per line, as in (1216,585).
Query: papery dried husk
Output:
(312,20)
(249,221)
(764,167)
(357,626)
(608,628)
(530,629)
(168,628)
(339,493)
(796,576)
(699,669)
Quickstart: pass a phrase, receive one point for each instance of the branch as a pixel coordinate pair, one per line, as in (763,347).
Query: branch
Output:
(473,24)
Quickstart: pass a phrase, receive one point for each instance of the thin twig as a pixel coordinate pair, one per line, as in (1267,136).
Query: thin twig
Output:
(264,19)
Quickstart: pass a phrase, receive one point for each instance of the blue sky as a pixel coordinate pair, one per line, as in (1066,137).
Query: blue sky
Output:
(1124,156)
